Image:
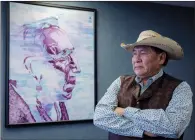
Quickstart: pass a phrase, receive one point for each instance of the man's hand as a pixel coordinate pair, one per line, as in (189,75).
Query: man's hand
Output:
(119,111)
(149,134)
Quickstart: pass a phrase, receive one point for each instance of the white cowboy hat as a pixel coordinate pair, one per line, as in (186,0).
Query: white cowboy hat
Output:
(154,39)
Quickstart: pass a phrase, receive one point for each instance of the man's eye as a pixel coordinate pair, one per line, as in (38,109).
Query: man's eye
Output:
(67,52)
(64,51)
(143,52)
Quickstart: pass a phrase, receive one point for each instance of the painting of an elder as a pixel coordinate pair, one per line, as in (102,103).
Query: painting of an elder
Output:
(150,104)
(50,80)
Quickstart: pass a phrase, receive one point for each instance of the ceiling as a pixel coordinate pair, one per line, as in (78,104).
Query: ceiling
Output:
(177,3)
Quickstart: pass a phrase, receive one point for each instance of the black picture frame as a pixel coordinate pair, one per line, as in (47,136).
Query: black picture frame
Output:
(8,59)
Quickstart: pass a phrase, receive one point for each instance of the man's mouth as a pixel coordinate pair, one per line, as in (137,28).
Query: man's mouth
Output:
(68,90)
(69,86)
(137,67)
(71,80)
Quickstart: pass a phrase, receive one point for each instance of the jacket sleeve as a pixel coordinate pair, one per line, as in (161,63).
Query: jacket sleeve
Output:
(105,118)
(171,122)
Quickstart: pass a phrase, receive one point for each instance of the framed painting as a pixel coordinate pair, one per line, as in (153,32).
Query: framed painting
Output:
(51,64)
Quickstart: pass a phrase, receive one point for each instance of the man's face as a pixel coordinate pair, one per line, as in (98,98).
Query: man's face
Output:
(59,47)
(146,62)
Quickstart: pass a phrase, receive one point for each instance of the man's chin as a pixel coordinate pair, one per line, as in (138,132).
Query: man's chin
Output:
(139,74)
(67,96)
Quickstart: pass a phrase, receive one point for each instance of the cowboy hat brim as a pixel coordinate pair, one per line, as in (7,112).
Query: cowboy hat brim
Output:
(173,49)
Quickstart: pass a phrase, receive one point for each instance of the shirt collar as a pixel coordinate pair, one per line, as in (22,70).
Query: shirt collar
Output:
(153,78)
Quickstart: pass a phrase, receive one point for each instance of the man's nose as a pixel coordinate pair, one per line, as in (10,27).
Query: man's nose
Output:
(76,68)
(137,58)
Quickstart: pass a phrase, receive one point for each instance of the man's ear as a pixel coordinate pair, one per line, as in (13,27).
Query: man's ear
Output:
(162,57)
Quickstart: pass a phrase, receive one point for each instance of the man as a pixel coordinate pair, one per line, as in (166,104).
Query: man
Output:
(150,104)
(49,75)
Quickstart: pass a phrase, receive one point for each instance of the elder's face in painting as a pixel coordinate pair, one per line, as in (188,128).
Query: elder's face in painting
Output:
(62,52)
(58,71)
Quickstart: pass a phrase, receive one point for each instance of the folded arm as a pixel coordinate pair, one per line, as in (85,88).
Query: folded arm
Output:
(105,118)
(169,123)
